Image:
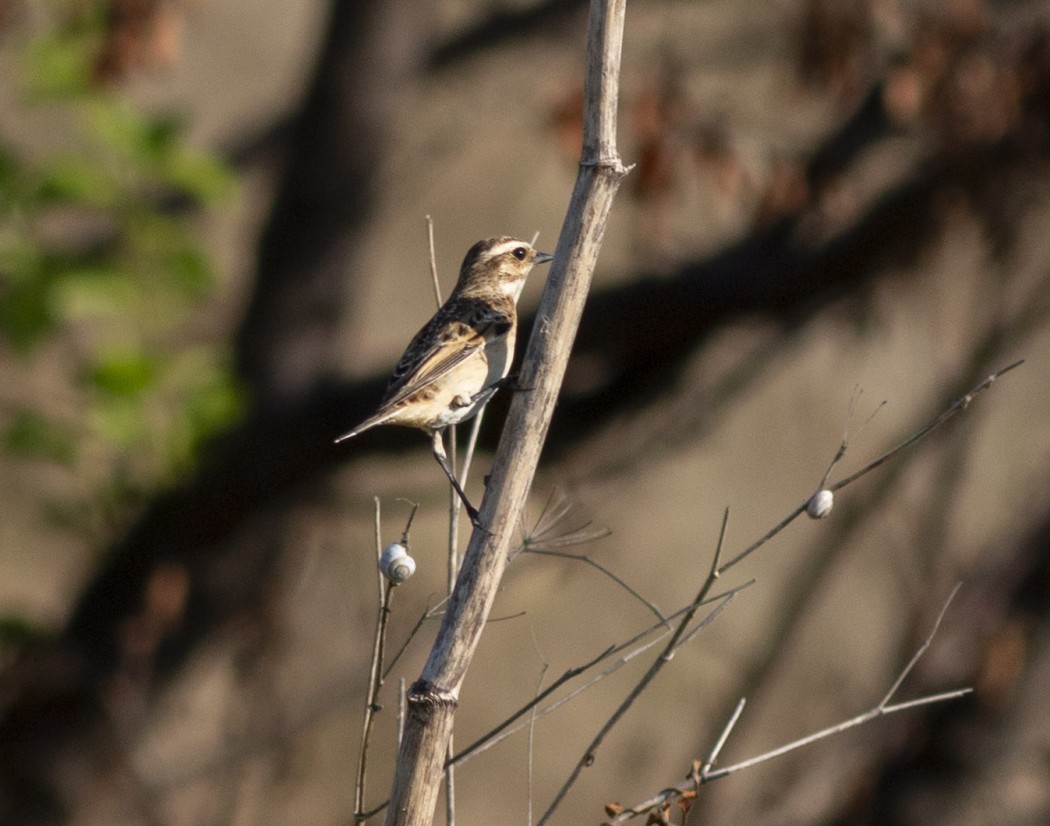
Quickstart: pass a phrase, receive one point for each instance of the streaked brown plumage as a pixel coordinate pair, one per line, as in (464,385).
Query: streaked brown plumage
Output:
(460,357)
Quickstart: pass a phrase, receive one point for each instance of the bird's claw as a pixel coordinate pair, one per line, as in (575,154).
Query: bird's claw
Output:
(511,383)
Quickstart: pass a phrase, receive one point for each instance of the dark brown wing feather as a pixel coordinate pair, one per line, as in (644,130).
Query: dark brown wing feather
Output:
(457,331)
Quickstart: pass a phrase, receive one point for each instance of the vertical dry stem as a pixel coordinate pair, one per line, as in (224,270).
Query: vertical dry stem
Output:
(433,698)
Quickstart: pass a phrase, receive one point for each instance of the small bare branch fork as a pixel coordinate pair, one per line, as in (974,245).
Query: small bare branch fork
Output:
(704,772)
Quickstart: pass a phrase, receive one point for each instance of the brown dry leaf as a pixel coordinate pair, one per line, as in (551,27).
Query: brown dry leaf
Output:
(1003,663)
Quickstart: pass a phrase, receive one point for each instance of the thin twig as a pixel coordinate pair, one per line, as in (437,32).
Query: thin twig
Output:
(547,537)
(507,727)
(433,261)
(548,531)
(472,444)
(455,504)
(452,566)
(716,560)
(400,709)
(429,613)
(379,544)
(598,566)
(432,612)
(717,569)
(510,730)
(707,774)
(377,675)
(532,743)
(844,445)
(922,648)
(375,680)
(454,501)
(723,737)
(657,665)
(958,405)
(860,719)
(411,518)
(450,789)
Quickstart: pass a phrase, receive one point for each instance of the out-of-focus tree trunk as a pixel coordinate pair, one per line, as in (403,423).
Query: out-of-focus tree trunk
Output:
(327,190)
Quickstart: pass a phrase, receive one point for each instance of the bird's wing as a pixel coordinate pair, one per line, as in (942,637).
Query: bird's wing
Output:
(452,336)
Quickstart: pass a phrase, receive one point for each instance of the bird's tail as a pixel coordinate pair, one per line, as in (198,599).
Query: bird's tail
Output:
(367,424)
(348,435)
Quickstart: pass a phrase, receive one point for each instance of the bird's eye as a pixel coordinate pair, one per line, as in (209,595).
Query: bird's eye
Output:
(519,253)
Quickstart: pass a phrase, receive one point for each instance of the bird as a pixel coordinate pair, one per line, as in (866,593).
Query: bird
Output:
(462,356)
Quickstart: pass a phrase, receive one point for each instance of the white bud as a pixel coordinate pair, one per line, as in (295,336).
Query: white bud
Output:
(395,563)
(820,504)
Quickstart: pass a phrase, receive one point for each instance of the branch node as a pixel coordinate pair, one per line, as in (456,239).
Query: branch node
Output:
(612,165)
(425,696)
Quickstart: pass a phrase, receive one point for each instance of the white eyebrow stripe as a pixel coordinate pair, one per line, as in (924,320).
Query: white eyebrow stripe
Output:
(506,246)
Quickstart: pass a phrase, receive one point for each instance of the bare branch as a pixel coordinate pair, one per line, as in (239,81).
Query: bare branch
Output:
(717,569)
(958,405)
(844,445)
(706,774)
(922,649)
(860,719)
(433,262)
(657,665)
(433,698)
(549,532)
(599,567)
(532,743)
(429,613)
(401,701)
(376,674)
(507,727)
(723,737)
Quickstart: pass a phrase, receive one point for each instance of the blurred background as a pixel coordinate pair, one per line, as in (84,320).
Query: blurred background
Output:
(213,249)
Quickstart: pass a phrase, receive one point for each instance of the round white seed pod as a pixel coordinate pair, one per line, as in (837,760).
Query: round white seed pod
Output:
(820,504)
(395,563)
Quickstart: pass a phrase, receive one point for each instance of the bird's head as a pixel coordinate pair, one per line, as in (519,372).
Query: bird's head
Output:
(498,265)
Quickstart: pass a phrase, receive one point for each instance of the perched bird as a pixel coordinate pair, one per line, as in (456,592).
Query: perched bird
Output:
(463,354)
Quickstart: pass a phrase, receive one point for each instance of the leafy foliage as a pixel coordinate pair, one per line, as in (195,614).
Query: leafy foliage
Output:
(103,270)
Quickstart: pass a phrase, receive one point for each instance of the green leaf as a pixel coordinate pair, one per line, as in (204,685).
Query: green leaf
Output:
(76,179)
(99,252)
(26,313)
(121,129)
(200,175)
(215,407)
(119,421)
(59,65)
(31,435)
(124,374)
(95,292)
(18,632)
(10,179)
(190,271)
(209,401)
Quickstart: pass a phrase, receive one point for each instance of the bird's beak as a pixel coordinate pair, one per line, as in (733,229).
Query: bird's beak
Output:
(542,258)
